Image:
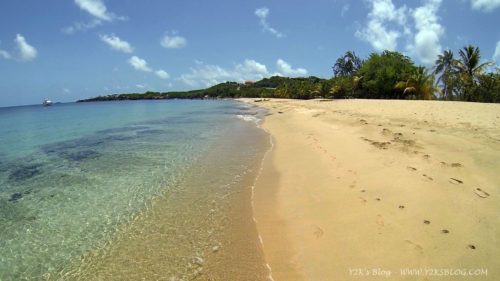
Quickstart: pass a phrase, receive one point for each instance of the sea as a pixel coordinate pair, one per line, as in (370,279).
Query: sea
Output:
(130,190)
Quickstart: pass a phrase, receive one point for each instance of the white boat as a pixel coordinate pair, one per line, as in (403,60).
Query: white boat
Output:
(47,102)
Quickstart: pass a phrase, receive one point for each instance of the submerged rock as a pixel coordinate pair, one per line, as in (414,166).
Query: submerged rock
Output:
(25,172)
(124,129)
(16,196)
(150,132)
(80,155)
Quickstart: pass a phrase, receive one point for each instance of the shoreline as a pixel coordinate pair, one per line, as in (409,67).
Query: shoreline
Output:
(198,227)
(356,185)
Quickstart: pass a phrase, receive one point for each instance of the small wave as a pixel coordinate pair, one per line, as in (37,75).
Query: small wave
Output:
(248,118)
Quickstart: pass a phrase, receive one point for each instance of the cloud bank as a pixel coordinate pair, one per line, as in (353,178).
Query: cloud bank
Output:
(286,69)
(387,24)
(377,31)
(426,44)
(206,75)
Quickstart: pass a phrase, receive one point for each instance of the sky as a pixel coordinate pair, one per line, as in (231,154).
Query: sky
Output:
(74,49)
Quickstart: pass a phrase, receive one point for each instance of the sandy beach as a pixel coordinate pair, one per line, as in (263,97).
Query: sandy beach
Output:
(380,190)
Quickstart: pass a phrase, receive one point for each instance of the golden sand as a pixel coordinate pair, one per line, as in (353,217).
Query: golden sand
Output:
(366,189)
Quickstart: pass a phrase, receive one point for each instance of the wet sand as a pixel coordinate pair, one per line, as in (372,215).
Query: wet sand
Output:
(371,189)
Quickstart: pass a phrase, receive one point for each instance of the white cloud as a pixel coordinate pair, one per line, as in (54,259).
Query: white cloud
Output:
(426,44)
(139,64)
(252,69)
(140,86)
(162,74)
(96,8)
(116,43)
(81,26)
(173,41)
(5,54)
(26,52)
(345,9)
(286,69)
(496,55)
(485,5)
(262,14)
(377,32)
(205,75)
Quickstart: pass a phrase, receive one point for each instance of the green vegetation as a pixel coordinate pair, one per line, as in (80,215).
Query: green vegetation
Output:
(386,75)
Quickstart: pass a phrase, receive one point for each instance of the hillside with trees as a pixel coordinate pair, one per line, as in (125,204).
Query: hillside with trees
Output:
(385,75)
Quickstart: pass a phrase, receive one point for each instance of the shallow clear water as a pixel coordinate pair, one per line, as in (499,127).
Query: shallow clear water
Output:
(73,175)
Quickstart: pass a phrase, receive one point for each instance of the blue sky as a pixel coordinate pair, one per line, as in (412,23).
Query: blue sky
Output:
(67,50)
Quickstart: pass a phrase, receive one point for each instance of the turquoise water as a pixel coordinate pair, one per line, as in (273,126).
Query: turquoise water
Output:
(72,174)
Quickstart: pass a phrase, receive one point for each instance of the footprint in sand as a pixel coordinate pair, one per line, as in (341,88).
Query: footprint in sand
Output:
(472,247)
(362,199)
(427,177)
(380,220)
(453,165)
(410,168)
(426,156)
(318,232)
(378,199)
(445,231)
(401,207)
(416,246)
(427,222)
(386,131)
(481,193)
(455,181)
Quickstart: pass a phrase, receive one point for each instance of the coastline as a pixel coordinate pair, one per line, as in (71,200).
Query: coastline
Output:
(199,226)
(378,186)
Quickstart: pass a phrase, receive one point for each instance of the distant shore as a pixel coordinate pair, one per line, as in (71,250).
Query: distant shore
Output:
(362,189)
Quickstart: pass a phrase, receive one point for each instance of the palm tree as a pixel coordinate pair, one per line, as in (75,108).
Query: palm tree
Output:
(347,65)
(420,84)
(444,68)
(469,68)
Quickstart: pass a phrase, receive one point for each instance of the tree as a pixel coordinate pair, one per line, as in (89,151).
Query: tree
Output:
(444,68)
(420,85)
(488,88)
(381,72)
(469,68)
(342,87)
(347,65)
